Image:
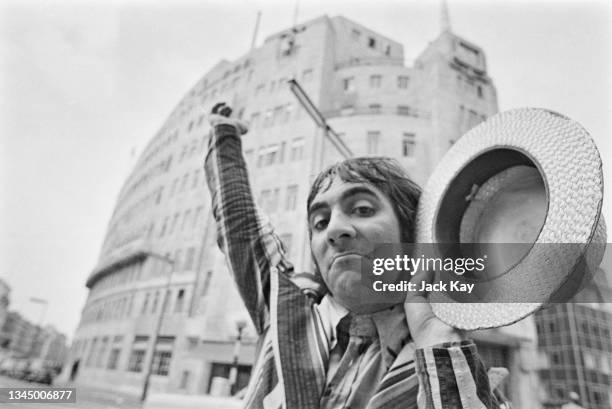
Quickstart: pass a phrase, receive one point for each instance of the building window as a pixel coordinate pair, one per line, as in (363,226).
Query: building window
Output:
(375,109)
(206,284)
(408,144)
(348,84)
(307,75)
(184,152)
(180,299)
(145,304)
(403,110)
(130,306)
(267,156)
(185,179)
(155,302)
(371,42)
(254,122)
(372,142)
(174,223)
(139,349)
(92,351)
(162,356)
(160,191)
(297,149)
(402,82)
(266,200)
(186,218)
(375,81)
(474,118)
(189,258)
(113,358)
(287,113)
(196,179)
(268,118)
(177,257)
(136,360)
(479,90)
(273,205)
(291,199)
(197,216)
(277,115)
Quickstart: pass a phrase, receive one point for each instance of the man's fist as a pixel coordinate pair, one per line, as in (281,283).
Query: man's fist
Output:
(221,114)
(222,109)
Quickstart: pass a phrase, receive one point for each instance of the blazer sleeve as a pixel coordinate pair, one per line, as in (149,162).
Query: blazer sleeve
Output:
(252,249)
(451,375)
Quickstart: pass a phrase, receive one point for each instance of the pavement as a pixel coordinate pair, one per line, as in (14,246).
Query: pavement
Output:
(86,397)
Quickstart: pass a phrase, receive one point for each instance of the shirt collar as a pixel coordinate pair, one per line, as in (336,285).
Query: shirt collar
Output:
(390,324)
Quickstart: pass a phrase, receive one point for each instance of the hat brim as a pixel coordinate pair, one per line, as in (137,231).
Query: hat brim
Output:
(570,166)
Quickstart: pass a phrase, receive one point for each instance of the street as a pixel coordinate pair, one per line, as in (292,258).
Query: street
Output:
(86,398)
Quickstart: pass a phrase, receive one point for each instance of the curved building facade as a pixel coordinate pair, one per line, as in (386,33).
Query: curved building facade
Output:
(160,248)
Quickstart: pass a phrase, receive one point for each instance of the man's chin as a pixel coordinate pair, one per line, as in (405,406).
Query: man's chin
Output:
(349,290)
(354,293)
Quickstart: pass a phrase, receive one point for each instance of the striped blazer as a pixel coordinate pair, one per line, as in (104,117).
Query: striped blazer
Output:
(293,354)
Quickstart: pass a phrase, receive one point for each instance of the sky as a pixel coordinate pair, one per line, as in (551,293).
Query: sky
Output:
(85,84)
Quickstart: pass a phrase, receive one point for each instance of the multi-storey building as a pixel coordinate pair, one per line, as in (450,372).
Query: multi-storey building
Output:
(19,334)
(160,249)
(575,346)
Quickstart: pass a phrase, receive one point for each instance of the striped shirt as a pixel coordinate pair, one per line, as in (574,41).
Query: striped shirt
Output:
(301,362)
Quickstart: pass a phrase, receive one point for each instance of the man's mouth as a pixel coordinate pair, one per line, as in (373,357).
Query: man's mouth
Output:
(344,254)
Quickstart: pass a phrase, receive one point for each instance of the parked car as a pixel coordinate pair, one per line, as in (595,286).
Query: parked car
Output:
(7,365)
(20,369)
(40,372)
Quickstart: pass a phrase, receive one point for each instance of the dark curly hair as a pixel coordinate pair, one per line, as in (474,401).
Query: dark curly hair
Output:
(386,175)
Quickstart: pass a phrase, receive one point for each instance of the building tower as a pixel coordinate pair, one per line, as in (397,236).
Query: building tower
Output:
(380,106)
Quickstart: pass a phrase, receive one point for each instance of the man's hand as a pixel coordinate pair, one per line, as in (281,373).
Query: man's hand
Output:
(425,328)
(221,114)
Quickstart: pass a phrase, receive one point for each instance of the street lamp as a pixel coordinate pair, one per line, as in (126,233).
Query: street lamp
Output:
(43,311)
(160,317)
(233,375)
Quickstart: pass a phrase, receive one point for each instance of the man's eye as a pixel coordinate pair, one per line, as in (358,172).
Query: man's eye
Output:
(319,224)
(363,210)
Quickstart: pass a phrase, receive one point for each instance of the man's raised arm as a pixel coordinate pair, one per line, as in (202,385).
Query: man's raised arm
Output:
(250,246)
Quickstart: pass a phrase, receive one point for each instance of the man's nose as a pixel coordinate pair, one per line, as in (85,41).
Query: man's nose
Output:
(339,229)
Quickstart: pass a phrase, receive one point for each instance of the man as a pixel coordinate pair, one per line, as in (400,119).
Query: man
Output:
(342,351)
(573,403)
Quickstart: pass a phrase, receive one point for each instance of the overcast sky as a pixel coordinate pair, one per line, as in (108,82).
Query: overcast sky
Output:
(85,83)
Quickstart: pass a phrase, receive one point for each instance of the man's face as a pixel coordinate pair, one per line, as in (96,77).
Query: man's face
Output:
(347,221)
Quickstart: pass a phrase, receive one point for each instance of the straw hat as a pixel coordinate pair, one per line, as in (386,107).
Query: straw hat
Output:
(527,176)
